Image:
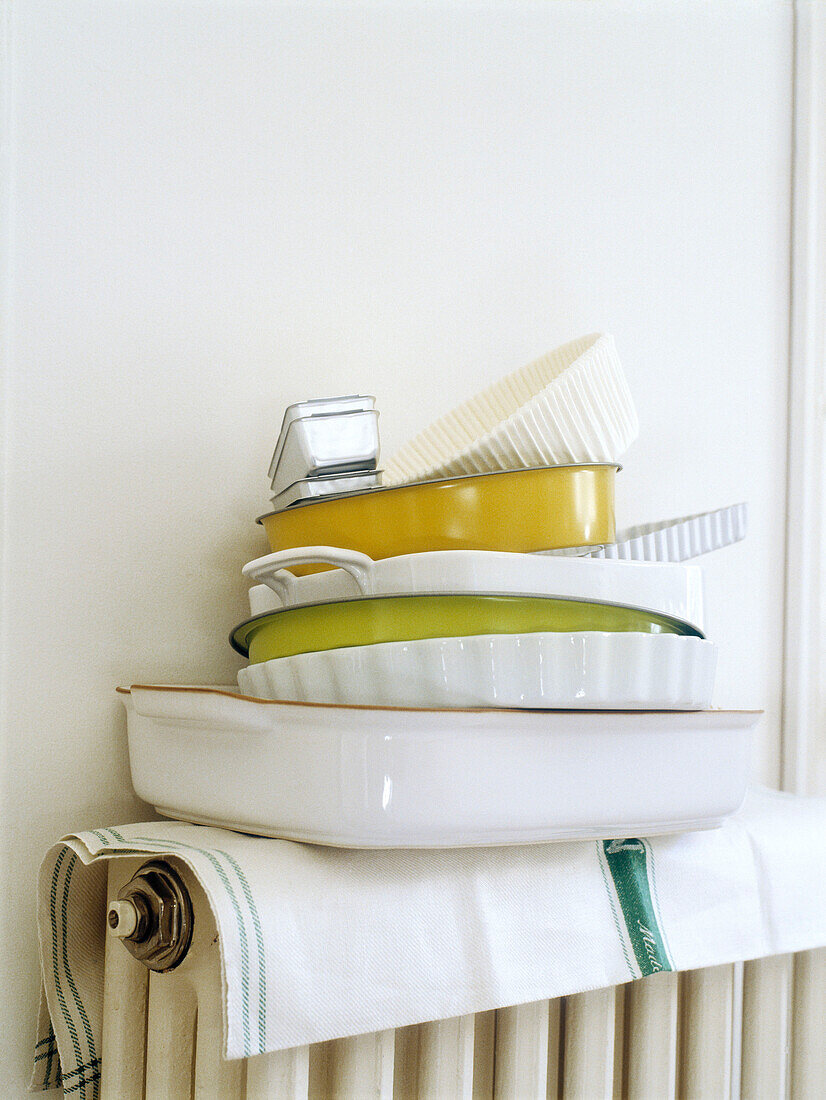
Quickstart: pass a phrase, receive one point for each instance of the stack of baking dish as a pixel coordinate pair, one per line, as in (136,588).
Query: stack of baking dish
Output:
(441,653)
(466,576)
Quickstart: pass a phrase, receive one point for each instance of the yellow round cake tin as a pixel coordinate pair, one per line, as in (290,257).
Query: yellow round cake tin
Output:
(366,621)
(545,508)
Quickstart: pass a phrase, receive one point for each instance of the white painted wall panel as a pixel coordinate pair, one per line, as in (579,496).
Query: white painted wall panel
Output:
(804,702)
(220,207)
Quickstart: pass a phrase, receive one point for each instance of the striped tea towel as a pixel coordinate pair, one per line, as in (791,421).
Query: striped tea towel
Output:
(320,943)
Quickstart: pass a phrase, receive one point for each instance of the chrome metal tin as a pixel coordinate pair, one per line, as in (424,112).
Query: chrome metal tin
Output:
(312,488)
(320,446)
(317,408)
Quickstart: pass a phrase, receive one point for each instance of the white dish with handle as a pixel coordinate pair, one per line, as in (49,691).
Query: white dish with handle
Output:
(587,670)
(384,778)
(667,589)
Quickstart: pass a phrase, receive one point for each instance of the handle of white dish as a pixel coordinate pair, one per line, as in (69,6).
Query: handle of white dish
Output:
(271,570)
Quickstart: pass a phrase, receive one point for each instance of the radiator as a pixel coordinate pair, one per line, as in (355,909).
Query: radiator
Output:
(753,1030)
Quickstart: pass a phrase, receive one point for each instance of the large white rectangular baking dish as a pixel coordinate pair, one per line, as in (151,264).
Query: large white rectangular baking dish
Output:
(394,778)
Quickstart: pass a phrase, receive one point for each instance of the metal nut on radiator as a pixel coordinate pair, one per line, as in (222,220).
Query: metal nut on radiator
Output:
(152,916)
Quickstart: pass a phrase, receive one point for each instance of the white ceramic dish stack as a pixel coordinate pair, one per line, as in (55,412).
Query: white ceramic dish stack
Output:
(480,739)
(589,670)
(378,778)
(672,590)
(572,405)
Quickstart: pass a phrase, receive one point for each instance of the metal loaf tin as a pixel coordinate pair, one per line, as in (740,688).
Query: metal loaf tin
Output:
(328,436)
(311,488)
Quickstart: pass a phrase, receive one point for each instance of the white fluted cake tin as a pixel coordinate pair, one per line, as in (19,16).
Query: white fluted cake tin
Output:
(590,670)
(571,405)
(394,778)
(670,540)
(666,589)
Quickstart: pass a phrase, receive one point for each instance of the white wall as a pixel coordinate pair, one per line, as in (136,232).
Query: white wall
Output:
(217,208)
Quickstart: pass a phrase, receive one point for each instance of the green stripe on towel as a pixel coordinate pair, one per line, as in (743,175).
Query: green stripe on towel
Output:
(628,865)
(90,1077)
(177,845)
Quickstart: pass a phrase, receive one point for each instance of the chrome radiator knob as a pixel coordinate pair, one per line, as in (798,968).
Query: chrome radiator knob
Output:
(152,916)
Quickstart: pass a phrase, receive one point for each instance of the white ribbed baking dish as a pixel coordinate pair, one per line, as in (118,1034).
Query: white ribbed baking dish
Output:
(670,540)
(571,405)
(589,670)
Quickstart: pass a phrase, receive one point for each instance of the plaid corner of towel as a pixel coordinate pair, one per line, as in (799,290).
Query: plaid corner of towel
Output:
(71,949)
(46,1072)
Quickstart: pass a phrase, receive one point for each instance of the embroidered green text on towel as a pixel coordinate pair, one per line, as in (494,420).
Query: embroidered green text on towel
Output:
(632,887)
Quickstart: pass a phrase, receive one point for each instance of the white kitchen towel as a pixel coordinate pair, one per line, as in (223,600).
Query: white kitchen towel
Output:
(319,943)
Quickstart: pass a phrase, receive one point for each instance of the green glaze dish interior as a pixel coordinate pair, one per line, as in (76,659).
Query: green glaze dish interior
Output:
(337,625)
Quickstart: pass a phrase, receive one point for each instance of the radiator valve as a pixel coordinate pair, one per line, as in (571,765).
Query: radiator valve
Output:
(152,916)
